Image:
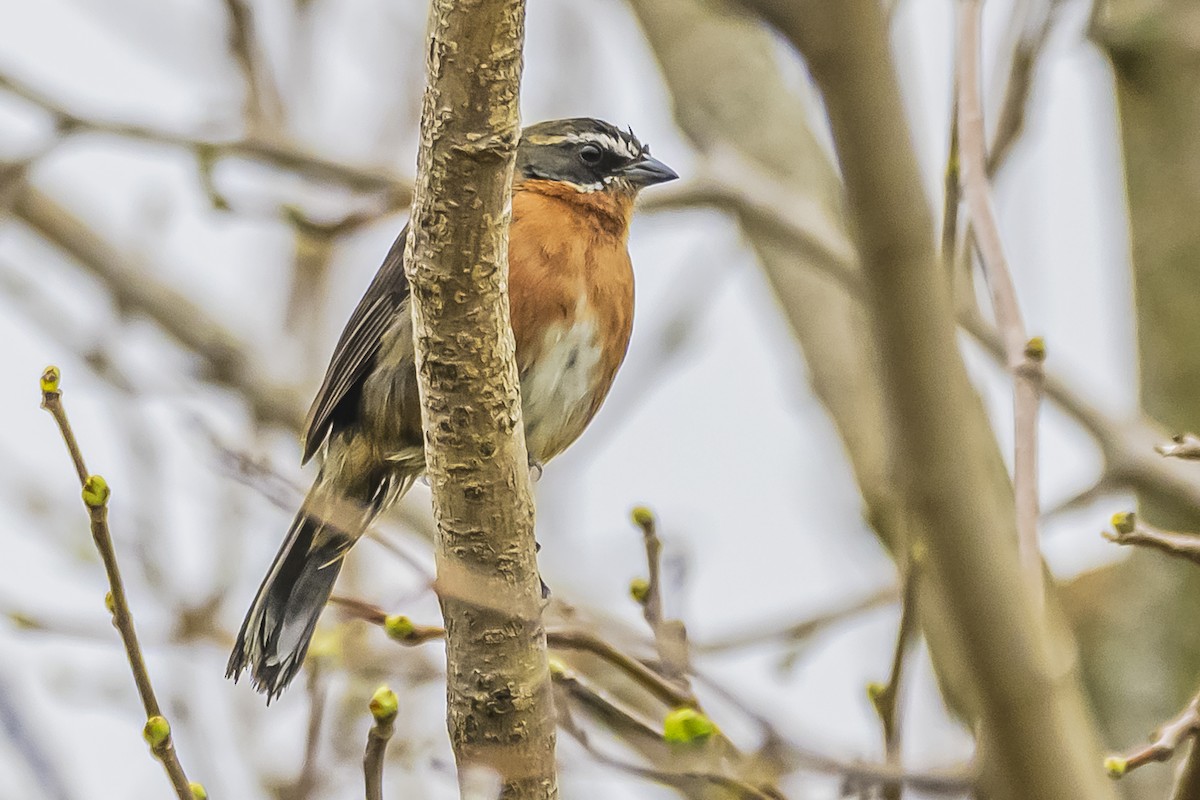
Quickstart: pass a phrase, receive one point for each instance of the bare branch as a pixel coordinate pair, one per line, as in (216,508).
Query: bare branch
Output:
(275,154)
(951,478)
(886,697)
(1024,357)
(1183,445)
(263,107)
(223,355)
(798,631)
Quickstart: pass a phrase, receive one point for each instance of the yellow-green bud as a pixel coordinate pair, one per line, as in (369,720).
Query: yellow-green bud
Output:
(95,492)
(324,644)
(157,732)
(1035,349)
(384,705)
(558,669)
(198,791)
(399,627)
(875,690)
(1115,766)
(1124,521)
(22,620)
(687,725)
(642,516)
(50,379)
(639,589)
(109,603)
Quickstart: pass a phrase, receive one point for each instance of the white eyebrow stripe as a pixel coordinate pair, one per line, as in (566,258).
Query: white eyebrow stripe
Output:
(615,144)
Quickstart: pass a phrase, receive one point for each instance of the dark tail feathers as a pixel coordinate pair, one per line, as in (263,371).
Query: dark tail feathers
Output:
(279,626)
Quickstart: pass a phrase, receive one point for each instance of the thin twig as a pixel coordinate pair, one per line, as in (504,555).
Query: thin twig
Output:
(952,198)
(384,706)
(1163,746)
(1128,531)
(408,633)
(793,632)
(95,497)
(886,698)
(1013,109)
(1183,445)
(263,107)
(1024,358)
(275,154)
(670,636)
(222,354)
(309,778)
(633,728)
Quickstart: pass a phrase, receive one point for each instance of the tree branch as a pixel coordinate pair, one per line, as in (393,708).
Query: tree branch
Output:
(223,355)
(670,637)
(275,154)
(1128,531)
(500,701)
(1168,739)
(1024,358)
(157,730)
(1037,737)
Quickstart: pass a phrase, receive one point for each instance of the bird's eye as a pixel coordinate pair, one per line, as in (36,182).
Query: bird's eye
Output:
(590,154)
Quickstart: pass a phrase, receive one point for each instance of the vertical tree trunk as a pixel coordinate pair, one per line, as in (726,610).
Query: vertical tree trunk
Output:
(500,706)
(1141,674)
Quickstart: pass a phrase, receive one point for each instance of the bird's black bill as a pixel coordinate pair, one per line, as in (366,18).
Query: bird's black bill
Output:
(649,171)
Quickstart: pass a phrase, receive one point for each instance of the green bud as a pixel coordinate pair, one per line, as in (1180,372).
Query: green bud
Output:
(1035,349)
(558,667)
(95,492)
(22,620)
(642,516)
(1124,521)
(399,627)
(639,589)
(875,690)
(109,603)
(384,705)
(50,379)
(157,732)
(198,791)
(1115,766)
(687,725)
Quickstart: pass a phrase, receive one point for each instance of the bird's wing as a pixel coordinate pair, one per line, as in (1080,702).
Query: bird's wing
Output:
(355,353)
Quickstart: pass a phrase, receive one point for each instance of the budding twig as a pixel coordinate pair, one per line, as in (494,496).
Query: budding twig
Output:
(157,731)
(670,636)
(1163,746)
(384,707)
(1128,531)
(885,698)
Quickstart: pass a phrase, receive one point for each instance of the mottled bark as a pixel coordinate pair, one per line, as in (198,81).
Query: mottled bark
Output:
(1141,674)
(500,707)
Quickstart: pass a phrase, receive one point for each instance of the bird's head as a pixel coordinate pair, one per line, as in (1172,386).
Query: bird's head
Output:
(588,155)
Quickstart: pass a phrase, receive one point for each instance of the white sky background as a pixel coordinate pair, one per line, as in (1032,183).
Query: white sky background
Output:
(724,440)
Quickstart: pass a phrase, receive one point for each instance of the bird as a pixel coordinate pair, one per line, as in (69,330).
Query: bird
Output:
(571,297)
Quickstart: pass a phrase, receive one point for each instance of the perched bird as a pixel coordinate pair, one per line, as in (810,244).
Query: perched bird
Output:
(571,301)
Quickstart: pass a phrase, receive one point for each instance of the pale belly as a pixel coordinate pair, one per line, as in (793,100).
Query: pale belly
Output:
(558,394)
